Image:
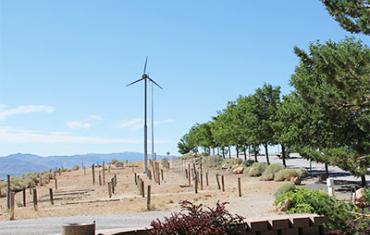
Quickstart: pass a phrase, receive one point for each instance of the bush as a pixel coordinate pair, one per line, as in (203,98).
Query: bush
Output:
(231,162)
(286,174)
(288,187)
(340,215)
(270,171)
(248,163)
(194,219)
(165,163)
(212,161)
(257,169)
(302,172)
(114,161)
(75,168)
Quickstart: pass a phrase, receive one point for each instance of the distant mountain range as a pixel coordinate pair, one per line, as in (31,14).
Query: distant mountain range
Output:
(20,163)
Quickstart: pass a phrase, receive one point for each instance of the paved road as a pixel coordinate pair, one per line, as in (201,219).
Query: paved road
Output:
(53,225)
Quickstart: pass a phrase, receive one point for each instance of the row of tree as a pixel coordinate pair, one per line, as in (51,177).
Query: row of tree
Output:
(326,118)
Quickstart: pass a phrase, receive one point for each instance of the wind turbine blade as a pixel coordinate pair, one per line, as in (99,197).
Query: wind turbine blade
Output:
(146,61)
(135,82)
(155,83)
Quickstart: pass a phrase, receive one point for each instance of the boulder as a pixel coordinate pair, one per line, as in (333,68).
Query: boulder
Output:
(360,199)
(295,180)
(238,170)
(283,206)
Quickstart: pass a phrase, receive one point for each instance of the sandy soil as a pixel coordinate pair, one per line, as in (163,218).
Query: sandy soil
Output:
(76,195)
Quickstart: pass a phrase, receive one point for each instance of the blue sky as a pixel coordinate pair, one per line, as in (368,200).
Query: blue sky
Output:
(64,66)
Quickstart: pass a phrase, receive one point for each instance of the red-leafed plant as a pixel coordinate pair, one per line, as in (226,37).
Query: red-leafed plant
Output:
(199,220)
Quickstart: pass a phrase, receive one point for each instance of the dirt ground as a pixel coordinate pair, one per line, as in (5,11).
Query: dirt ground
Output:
(76,195)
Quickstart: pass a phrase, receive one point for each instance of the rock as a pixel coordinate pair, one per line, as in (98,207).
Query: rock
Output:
(360,199)
(238,170)
(295,180)
(224,166)
(283,206)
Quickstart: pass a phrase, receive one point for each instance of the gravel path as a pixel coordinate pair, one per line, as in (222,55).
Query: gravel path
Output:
(53,225)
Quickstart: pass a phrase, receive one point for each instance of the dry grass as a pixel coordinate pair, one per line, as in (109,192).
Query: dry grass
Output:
(76,195)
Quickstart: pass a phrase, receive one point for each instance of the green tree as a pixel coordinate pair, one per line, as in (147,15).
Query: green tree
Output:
(264,107)
(352,15)
(333,82)
(183,145)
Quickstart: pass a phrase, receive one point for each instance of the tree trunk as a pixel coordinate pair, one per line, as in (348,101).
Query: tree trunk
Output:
(218,150)
(237,152)
(249,152)
(255,156)
(245,153)
(363,180)
(229,151)
(213,151)
(267,154)
(326,170)
(223,152)
(283,154)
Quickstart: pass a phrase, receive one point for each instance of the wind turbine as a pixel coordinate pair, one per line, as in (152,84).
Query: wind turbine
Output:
(146,78)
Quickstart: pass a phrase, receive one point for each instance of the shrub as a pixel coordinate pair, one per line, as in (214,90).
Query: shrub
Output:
(286,174)
(231,162)
(257,169)
(194,219)
(340,215)
(75,168)
(114,161)
(212,161)
(165,163)
(270,171)
(288,187)
(248,163)
(302,172)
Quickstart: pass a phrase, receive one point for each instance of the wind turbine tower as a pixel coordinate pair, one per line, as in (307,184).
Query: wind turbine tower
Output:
(146,78)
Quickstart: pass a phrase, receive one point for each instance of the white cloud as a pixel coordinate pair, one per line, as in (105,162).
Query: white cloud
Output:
(6,112)
(138,123)
(95,117)
(78,124)
(84,124)
(8,135)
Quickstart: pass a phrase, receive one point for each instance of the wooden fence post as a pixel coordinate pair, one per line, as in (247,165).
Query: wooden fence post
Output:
(207,178)
(149,174)
(110,189)
(186,173)
(148,199)
(56,183)
(100,180)
(93,173)
(112,184)
(196,182)
(162,176)
(8,192)
(135,178)
(12,205)
(115,180)
(239,187)
(51,196)
(218,181)
(189,178)
(103,173)
(24,197)
(34,194)
(142,188)
(223,183)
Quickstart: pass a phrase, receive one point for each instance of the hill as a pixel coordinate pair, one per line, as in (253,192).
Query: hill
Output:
(20,163)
